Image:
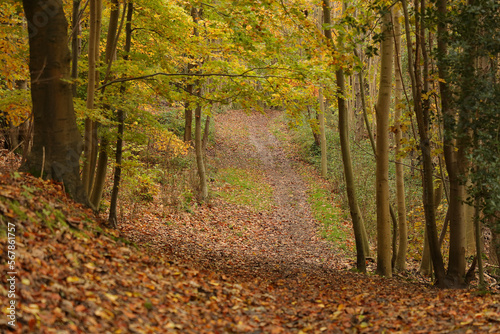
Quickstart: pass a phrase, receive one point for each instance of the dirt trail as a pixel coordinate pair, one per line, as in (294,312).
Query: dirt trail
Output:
(290,245)
(301,247)
(279,244)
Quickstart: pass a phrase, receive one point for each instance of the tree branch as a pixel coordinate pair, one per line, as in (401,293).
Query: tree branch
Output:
(242,75)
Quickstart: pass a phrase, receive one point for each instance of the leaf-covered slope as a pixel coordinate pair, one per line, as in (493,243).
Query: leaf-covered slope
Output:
(74,277)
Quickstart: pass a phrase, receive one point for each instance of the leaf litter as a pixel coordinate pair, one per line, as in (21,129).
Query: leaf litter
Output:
(223,268)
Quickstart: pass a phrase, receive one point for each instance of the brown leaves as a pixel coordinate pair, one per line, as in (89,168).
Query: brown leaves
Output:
(220,269)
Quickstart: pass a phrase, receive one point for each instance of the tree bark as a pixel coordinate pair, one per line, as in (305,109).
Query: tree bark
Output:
(204,141)
(112,31)
(188,109)
(453,154)
(75,42)
(57,143)
(198,145)
(357,220)
(324,166)
(427,177)
(479,248)
(111,44)
(121,125)
(200,163)
(384,267)
(90,134)
(400,185)
(100,174)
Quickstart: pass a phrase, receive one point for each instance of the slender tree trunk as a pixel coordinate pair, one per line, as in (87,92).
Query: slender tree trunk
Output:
(75,42)
(479,248)
(400,184)
(324,167)
(100,174)
(453,154)
(205,134)
(199,154)
(112,31)
(427,178)
(121,125)
(111,44)
(314,130)
(57,143)
(426,265)
(198,145)
(90,136)
(357,220)
(458,241)
(382,171)
(188,118)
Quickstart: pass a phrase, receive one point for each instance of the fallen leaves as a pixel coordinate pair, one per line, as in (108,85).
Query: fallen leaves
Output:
(220,269)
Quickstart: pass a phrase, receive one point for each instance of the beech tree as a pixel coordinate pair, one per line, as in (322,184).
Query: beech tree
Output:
(357,220)
(384,266)
(398,136)
(57,143)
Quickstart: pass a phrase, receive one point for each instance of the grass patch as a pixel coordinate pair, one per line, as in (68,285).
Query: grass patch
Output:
(335,226)
(245,187)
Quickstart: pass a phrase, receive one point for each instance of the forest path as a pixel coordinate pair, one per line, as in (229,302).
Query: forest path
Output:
(280,242)
(291,242)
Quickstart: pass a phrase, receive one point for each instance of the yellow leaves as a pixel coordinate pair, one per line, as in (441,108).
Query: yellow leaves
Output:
(73,279)
(16,106)
(13,45)
(104,314)
(428,94)
(31,308)
(166,141)
(172,325)
(111,297)
(90,266)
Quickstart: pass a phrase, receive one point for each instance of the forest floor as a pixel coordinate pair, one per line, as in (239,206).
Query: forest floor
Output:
(221,268)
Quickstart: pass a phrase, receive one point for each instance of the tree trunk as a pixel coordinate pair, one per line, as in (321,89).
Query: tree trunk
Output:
(188,111)
(200,163)
(453,158)
(114,16)
(384,267)
(426,265)
(205,134)
(57,143)
(427,177)
(75,42)
(324,167)
(102,164)
(357,220)
(188,118)
(121,125)
(479,248)
(198,145)
(90,135)
(400,184)
(100,174)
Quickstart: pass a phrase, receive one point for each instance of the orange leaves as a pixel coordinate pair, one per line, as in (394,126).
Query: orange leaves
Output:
(192,273)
